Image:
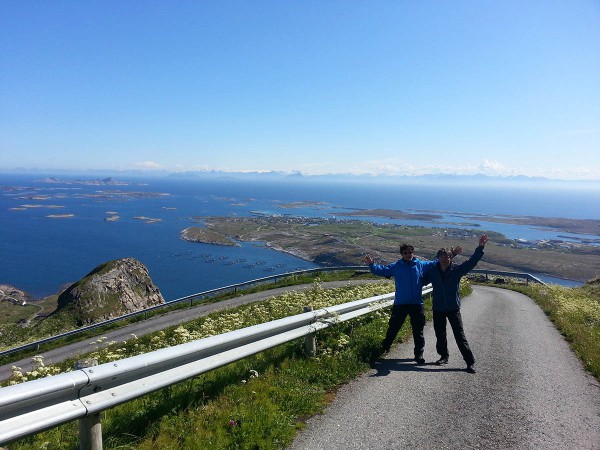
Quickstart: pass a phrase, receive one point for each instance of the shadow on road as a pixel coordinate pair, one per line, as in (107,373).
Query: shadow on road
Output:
(383,367)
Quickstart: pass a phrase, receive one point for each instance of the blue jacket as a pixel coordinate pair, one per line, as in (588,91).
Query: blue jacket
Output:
(446,285)
(408,278)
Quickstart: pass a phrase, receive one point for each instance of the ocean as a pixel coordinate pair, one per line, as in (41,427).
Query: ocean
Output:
(42,254)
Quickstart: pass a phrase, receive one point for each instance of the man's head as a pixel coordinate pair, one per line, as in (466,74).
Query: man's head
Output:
(444,256)
(407,250)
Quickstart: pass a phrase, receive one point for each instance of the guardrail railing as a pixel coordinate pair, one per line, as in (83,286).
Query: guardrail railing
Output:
(232,288)
(526,276)
(82,394)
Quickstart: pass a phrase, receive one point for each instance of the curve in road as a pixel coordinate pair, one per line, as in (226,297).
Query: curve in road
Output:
(530,390)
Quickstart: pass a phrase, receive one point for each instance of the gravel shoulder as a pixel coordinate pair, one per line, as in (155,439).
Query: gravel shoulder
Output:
(530,390)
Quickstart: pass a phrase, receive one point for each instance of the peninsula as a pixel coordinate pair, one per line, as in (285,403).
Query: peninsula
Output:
(344,242)
(206,236)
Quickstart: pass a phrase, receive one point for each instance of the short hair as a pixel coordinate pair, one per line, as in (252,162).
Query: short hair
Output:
(405,247)
(444,251)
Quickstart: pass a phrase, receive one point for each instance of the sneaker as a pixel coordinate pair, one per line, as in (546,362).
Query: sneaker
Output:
(443,360)
(420,360)
(471,368)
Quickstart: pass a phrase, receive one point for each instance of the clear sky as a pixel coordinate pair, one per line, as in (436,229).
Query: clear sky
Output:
(397,87)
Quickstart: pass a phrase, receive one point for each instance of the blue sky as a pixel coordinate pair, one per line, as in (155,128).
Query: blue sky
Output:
(394,87)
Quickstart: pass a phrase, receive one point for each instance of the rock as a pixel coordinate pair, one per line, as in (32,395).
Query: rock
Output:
(13,295)
(594,281)
(478,278)
(110,290)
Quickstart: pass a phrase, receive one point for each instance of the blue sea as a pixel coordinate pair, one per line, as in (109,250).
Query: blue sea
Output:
(41,254)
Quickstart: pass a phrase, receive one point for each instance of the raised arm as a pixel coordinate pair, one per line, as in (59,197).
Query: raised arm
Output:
(483,240)
(474,259)
(456,251)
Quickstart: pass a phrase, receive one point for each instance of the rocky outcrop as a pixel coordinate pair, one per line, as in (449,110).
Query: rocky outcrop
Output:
(110,290)
(206,236)
(11,294)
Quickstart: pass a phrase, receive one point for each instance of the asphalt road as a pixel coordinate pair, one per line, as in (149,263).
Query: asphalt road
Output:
(530,390)
(157,323)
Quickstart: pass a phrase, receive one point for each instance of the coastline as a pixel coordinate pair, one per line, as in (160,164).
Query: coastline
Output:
(318,241)
(109,222)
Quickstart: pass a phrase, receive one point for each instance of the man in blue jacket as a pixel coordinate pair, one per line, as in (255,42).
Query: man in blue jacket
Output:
(408,275)
(445,279)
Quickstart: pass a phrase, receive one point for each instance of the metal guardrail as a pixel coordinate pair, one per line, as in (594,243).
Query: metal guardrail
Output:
(526,276)
(34,406)
(233,288)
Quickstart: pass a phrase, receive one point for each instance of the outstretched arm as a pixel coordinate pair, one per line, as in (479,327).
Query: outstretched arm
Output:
(470,264)
(382,271)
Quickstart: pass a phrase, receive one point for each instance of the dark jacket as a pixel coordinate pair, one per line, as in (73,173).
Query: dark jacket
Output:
(446,286)
(408,278)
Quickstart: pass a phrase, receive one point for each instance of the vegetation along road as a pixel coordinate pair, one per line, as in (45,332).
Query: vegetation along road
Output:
(155,324)
(530,391)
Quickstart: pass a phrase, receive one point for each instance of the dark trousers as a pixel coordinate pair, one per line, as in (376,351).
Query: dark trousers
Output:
(417,321)
(439,325)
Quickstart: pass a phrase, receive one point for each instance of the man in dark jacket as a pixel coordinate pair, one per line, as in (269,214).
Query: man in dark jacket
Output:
(408,275)
(445,279)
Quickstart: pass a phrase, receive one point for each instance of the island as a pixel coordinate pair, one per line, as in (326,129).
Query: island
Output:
(60,216)
(148,219)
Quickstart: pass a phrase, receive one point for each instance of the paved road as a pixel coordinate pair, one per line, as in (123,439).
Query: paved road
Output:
(158,323)
(530,391)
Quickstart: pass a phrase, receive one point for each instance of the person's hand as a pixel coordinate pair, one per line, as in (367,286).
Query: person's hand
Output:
(483,239)
(369,259)
(456,251)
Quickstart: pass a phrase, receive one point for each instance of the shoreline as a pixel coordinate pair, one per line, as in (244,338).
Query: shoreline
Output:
(303,238)
(167,207)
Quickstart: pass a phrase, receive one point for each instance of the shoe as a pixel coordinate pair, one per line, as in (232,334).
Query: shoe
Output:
(471,368)
(440,362)
(420,360)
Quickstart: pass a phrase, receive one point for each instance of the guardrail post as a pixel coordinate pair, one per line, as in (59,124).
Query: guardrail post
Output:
(310,340)
(90,427)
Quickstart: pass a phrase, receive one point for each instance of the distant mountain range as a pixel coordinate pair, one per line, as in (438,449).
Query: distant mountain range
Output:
(445,178)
